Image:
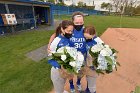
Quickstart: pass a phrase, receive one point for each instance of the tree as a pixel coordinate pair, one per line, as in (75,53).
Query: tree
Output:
(60,0)
(106,6)
(72,5)
(84,5)
(90,7)
(137,10)
(52,1)
(80,4)
(131,7)
(116,4)
(124,6)
(61,3)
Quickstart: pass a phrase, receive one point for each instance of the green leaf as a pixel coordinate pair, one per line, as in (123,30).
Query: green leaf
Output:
(108,71)
(137,90)
(109,60)
(118,64)
(57,48)
(49,57)
(116,68)
(115,57)
(65,50)
(60,62)
(71,59)
(99,71)
(91,53)
(57,54)
(67,54)
(70,70)
(114,51)
(95,63)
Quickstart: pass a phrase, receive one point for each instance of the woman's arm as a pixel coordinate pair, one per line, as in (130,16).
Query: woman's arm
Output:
(50,41)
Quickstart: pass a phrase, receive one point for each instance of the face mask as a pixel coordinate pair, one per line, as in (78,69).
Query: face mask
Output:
(88,40)
(78,27)
(68,35)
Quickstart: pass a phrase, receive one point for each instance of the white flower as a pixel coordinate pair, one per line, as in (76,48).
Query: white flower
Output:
(73,64)
(106,52)
(68,48)
(102,63)
(80,57)
(107,46)
(72,52)
(79,64)
(77,71)
(76,62)
(98,40)
(97,48)
(60,50)
(114,54)
(63,57)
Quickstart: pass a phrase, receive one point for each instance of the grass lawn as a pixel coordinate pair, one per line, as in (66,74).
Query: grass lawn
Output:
(18,74)
(101,23)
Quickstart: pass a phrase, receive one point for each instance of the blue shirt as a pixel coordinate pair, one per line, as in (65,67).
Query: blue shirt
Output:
(58,42)
(63,42)
(78,41)
(91,43)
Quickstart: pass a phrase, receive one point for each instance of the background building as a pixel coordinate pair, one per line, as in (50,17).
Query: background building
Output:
(29,14)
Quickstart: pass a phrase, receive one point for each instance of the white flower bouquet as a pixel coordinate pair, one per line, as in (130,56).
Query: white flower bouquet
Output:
(104,57)
(69,58)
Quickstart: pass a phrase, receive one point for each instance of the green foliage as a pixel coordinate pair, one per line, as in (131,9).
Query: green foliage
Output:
(19,74)
(137,90)
(52,1)
(80,4)
(108,59)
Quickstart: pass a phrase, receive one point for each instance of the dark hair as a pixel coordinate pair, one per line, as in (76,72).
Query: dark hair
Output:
(64,25)
(58,30)
(77,13)
(90,29)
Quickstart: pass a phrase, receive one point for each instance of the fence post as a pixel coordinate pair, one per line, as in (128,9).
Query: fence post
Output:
(34,15)
(68,10)
(8,12)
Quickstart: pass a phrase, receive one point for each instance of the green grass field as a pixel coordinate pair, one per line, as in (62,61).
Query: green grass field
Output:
(101,23)
(18,74)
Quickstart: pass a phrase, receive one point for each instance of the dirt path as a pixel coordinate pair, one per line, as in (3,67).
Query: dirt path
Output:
(127,42)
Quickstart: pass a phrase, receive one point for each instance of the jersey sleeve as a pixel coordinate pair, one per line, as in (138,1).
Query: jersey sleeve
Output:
(54,44)
(53,47)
